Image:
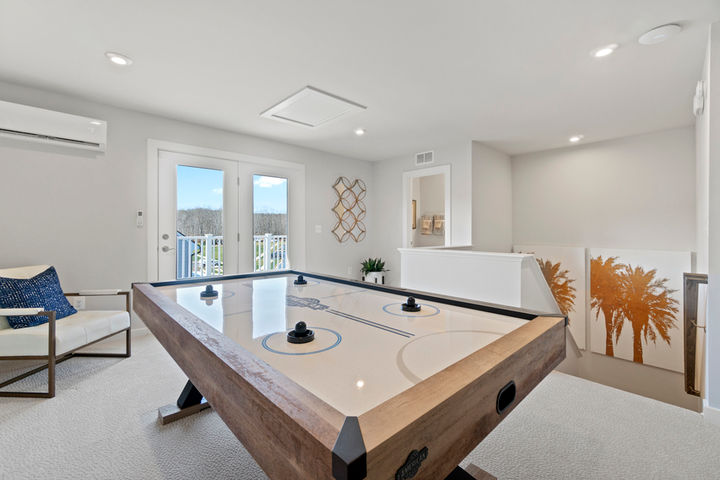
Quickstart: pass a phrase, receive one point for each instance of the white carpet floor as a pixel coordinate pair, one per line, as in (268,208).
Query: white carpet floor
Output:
(103,425)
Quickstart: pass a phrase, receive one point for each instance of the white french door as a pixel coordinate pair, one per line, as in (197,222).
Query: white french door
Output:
(197,216)
(268,203)
(212,215)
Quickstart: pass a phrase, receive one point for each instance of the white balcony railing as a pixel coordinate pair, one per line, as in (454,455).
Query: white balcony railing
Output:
(271,252)
(202,256)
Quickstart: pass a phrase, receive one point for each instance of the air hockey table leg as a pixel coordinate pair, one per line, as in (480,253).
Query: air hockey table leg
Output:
(471,472)
(189,402)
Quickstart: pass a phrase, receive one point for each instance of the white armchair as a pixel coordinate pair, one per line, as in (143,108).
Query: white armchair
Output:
(58,340)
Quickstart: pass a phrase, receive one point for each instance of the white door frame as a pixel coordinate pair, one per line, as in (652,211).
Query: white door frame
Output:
(296,196)
(408,177)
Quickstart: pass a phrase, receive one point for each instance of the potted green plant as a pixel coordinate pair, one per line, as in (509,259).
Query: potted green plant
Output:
(372,270)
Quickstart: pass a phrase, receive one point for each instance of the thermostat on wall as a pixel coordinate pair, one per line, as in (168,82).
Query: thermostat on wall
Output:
(140,221)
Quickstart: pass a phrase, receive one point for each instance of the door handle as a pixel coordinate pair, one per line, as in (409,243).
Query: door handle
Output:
(166,249)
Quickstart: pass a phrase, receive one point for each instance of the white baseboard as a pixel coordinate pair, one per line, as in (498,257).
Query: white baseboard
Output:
(711,414)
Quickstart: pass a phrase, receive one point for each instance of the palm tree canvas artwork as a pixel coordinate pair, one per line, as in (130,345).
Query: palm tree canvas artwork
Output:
(564,272)
(636,305)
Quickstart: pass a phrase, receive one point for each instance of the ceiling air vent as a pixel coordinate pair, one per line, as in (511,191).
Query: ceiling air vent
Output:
(311,107)
(424,158)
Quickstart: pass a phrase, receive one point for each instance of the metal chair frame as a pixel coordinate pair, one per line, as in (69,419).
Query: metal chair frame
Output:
(53,359)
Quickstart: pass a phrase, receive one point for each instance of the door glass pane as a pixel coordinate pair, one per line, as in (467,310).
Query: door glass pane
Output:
(270,223)
(199,222)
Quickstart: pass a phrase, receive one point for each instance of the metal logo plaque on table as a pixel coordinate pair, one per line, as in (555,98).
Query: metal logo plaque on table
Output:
(412,464)
(349,209)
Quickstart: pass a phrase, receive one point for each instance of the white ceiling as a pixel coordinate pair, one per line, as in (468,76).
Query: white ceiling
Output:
(515,74)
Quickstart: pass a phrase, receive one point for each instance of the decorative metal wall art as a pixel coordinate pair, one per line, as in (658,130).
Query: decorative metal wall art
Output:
(349,209)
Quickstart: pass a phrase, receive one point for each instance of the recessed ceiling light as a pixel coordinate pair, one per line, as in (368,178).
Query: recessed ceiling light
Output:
(359,132)
(659,34)
(119,59)
(605,51)
(576,138)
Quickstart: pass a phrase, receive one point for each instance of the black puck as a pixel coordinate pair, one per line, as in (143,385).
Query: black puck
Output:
(300,334)
(410,305)
(209,292)
(300,280)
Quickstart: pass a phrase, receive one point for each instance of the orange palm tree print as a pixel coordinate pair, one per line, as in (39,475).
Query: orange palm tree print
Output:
(560,284)
(646,302)
(604,294)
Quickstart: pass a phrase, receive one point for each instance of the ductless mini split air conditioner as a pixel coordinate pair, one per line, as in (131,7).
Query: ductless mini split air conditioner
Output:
(39,125)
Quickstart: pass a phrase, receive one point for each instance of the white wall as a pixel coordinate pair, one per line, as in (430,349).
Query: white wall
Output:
(491,199)
(387,220)
(702,169)
(708,128)
(634,192)
(76,210)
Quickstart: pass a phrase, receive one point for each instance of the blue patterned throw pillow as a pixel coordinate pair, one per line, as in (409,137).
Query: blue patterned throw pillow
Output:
(41,291)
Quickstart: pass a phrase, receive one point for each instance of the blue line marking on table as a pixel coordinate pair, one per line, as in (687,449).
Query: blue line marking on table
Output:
(410,314)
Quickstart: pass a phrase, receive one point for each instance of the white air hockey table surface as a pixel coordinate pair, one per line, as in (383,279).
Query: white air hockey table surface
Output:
(380,392)
(366,348)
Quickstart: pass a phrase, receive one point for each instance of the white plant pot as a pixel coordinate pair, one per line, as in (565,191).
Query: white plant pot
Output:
(374,277)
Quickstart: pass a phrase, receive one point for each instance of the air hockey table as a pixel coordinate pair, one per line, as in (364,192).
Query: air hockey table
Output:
(321,377)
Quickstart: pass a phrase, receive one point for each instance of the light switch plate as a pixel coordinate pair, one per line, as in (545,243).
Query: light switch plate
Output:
(318,228)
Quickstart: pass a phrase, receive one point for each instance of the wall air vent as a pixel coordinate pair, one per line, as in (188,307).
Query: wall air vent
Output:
(23,122)
(311,107)
(424,158)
